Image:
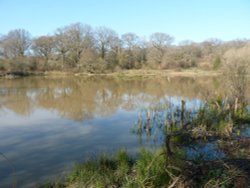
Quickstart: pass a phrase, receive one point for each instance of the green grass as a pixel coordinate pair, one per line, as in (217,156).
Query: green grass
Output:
(151,169)
(121,171)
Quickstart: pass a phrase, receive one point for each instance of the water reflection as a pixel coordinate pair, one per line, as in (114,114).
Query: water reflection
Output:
(81,98)
(47,124)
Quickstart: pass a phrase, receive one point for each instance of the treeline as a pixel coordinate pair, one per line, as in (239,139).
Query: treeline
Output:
(79,47)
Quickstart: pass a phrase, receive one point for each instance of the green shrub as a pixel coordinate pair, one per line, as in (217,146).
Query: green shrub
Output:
(216,63)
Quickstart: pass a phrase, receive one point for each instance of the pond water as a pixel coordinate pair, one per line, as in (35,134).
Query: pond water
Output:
(47,124)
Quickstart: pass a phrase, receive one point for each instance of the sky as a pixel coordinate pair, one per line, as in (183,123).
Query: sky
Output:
(195,20)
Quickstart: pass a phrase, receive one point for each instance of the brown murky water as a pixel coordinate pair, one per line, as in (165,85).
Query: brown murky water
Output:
(48,124)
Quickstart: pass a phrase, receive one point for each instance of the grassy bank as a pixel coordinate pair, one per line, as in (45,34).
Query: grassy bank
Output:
(154,169)
(179,162)
(125,74)
(147,73)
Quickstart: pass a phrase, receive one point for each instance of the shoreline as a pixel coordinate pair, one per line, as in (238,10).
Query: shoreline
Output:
(125,74)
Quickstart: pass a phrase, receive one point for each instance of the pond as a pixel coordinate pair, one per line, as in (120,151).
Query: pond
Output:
(47,124)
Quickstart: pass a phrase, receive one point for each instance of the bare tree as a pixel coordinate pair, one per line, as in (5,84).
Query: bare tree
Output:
(16,43)
(158,44)
(80,39)
(62,44)
(114,52)
(210,47)
(130,44)
(161,40)
(129,40)
(43,47)
(73,40)
(106,40)
(185,55)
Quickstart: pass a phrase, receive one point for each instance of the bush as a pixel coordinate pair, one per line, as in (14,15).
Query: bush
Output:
(2,65)
(216,63)
(236,71)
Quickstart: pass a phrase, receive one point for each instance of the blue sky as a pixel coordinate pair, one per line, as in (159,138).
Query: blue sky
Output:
(195,20)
